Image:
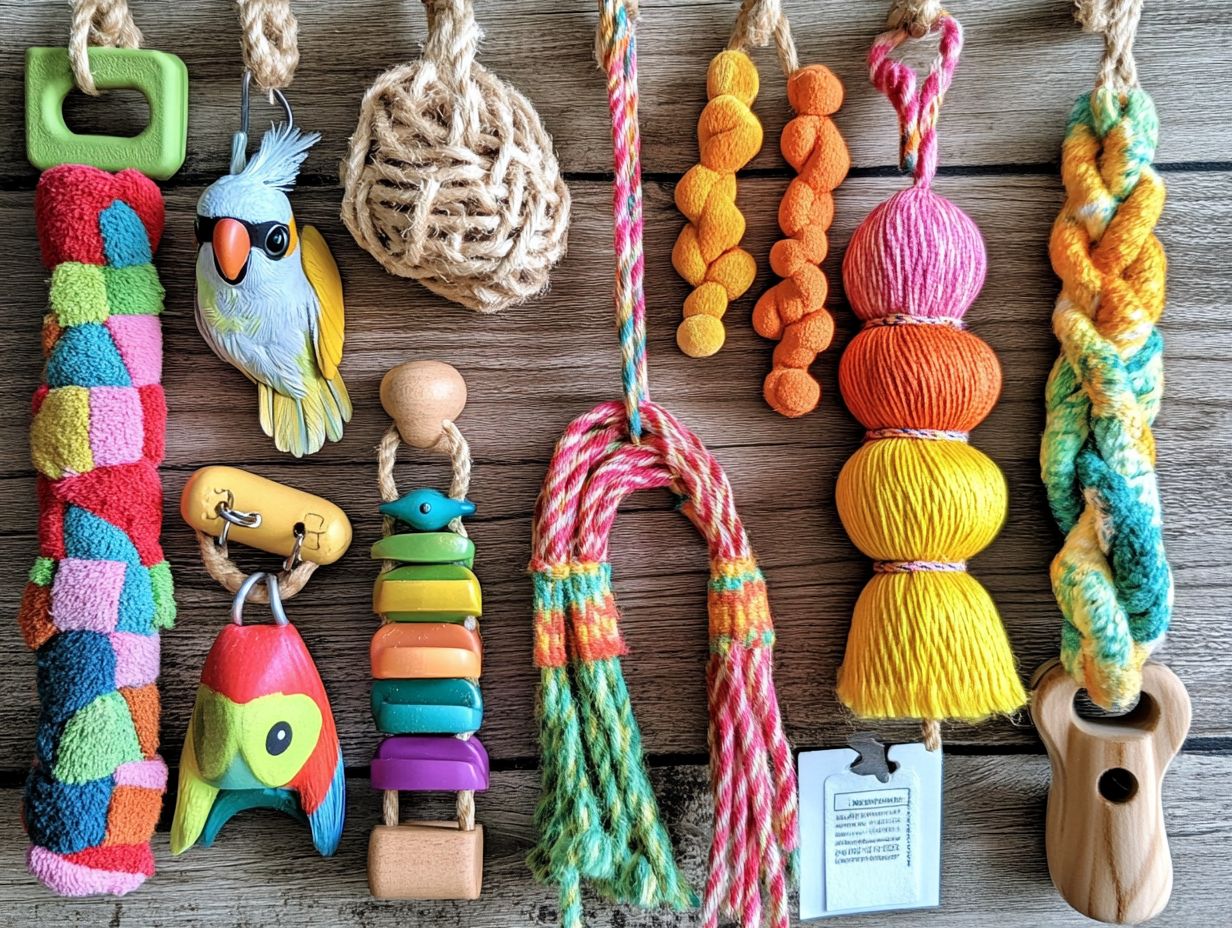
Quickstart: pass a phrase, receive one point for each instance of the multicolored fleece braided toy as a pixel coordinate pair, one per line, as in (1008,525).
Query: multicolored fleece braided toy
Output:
(100,590)
(926,641)
(1111,577)
(597,817)
(793,311)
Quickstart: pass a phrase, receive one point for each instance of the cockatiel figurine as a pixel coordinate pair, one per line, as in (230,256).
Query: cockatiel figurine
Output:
(269,297)
(261,735)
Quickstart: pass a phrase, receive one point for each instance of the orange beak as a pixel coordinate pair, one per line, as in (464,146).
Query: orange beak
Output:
(231,247)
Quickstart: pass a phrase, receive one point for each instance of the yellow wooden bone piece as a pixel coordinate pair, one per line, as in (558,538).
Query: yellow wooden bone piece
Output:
(427,593)
(422,651)
(283,511)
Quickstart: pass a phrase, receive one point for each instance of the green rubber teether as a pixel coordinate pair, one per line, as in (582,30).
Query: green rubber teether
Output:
(158,151)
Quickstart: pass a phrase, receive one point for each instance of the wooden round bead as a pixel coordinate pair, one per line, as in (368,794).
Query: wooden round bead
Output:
(419,396)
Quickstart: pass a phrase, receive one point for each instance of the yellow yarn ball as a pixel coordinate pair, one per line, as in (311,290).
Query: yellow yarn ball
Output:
(700,336)
(908,499)
(928,645)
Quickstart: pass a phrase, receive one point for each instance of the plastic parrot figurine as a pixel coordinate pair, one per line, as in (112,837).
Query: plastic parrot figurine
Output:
(427,510)
(261,735)
(269,297)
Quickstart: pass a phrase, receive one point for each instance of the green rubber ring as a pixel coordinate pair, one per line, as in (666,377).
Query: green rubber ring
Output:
(158,151)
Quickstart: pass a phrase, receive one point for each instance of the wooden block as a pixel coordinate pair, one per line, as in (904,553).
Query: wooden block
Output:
(425,860)
(1107,846)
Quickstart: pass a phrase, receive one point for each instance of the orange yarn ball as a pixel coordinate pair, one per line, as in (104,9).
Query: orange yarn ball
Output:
(919,377)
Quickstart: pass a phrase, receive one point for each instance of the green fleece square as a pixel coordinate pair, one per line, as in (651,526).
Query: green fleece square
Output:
(79,293)
(134,290)
(43,571)
(164,595)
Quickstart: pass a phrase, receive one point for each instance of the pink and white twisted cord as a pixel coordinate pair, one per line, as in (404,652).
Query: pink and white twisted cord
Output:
(917,111)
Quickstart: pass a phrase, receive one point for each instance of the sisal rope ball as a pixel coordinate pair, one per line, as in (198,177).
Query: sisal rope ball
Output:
(451,178)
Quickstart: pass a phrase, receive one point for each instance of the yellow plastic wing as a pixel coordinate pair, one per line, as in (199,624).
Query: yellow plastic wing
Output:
(322,273)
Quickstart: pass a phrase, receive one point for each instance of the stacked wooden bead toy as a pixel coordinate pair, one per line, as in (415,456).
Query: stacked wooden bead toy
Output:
(427,656)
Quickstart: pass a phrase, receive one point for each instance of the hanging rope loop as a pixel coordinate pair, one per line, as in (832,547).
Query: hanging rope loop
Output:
(453,38)
(918,107)
(617,46)
(105,23)
(1117,22)
(270,42)
(761,22)
(916,17)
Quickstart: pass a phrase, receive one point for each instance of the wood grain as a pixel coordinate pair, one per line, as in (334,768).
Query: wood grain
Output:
(531,369)
(263,870)
(1025,61)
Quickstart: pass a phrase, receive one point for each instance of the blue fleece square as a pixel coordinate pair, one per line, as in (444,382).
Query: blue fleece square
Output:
(85,356)
(136,602)
(66,817)
(74,669)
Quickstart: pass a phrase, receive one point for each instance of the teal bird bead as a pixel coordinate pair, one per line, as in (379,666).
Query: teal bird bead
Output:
(427,510)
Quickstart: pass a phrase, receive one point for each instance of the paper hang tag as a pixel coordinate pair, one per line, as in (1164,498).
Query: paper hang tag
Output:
(869,841)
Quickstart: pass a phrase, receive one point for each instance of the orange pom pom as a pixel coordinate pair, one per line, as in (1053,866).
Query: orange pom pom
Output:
(814,91)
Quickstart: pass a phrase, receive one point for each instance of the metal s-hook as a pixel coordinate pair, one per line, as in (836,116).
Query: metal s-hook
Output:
(239,141)
(275,598)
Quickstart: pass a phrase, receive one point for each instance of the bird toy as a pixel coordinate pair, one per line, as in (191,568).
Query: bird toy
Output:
(707,253)
(926,640)
(597,817)
(792,311)
(427,655)
(269,296)
(100,590)
(451,179)
(262,733)
(1111,577)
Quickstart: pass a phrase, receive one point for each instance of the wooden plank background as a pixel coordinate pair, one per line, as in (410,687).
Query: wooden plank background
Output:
(533,368)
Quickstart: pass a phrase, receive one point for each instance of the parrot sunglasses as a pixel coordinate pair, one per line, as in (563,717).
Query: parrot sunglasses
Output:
(273,238)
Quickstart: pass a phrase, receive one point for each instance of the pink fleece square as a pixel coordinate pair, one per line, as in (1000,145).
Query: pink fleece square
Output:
(140,342)
(145,774)
(116,432)
(136,658)
(86,595)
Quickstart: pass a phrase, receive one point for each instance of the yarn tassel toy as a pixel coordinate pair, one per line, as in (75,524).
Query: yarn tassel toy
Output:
(793,311)
(707,253)
(926,640)
(597,818)
(100,589)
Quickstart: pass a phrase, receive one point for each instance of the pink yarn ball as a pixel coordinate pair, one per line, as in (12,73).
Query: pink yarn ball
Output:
(917,254)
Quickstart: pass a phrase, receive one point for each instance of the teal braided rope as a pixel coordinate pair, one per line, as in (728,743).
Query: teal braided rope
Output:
(1111,577)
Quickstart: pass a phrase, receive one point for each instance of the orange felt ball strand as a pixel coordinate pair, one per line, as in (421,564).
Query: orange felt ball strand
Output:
(793,312)
(707,252)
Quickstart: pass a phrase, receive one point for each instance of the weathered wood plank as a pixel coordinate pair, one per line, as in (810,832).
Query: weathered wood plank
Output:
(263,870)
(533,368)
(1025,62)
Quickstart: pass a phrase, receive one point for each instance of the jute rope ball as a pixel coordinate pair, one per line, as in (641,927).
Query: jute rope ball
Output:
(451,178)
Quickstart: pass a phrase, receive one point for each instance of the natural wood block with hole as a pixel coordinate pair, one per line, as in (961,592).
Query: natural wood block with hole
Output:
(1107,845)
(425,860)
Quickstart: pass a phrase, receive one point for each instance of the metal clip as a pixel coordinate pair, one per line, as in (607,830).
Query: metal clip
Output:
(230,504)
(872,761)
(239,141)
